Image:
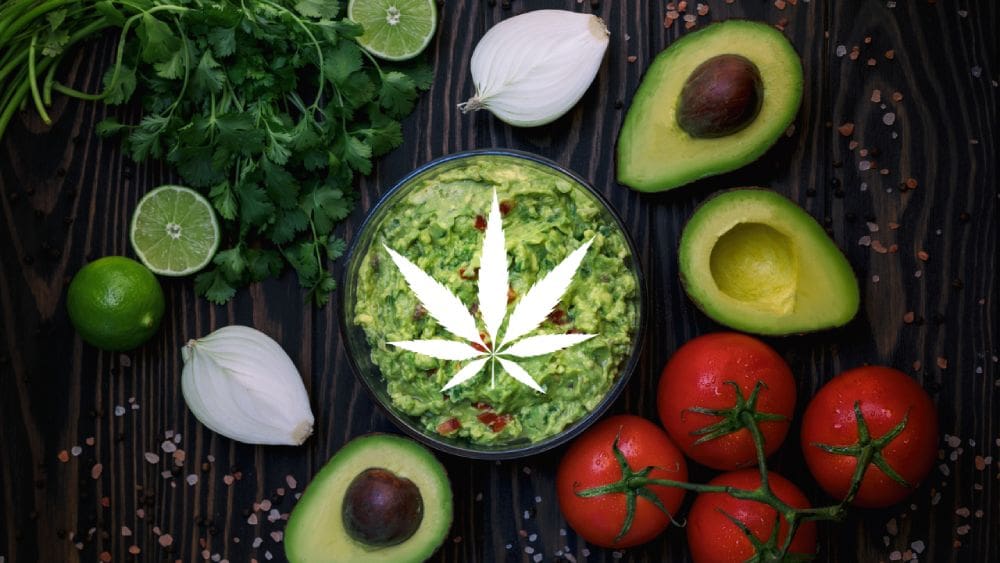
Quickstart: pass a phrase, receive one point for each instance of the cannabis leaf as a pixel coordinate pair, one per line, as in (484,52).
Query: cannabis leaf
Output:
(493,283)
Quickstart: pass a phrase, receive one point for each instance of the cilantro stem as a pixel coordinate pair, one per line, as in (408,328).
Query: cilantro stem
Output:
(33,81)
(8,31)
(119,55)
(16,95)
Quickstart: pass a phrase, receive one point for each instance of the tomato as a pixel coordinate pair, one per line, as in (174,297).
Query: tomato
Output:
(714,538)
(590,462)
(885,397)
(696,377)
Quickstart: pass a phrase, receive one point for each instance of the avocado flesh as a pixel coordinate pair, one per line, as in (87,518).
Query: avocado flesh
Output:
(755,261)
(316,532)
(655,154)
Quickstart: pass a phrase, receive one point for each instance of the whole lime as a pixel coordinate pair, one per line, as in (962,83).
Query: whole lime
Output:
(115,303)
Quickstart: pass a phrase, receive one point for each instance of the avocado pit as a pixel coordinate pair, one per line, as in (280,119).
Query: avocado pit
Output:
(721,96)
(381,508)
(756,264)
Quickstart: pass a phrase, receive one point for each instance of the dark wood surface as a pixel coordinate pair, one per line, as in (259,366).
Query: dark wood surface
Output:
(66,196)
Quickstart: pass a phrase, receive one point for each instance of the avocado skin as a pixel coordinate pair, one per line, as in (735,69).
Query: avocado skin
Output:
(316,532)
(833,307)
(654,153)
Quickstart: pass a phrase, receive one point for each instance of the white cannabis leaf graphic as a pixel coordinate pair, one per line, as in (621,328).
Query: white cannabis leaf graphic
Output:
(531,310)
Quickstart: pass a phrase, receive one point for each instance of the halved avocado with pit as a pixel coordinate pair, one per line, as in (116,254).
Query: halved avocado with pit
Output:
(380,498)
(712,102)
(755,261)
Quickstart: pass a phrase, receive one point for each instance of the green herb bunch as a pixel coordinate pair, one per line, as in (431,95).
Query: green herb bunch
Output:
(267,106)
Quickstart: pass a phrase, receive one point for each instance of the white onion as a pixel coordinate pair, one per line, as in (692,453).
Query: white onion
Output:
(238,382)
(531,69)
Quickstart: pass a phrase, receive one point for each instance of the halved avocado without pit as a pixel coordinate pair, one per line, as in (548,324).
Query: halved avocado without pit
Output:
(380,498)
(755,261)
(712,102)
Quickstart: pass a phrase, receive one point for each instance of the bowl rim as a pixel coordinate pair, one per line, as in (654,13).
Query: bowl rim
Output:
(575,428)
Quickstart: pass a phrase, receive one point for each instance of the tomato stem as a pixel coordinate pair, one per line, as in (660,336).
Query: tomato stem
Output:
(632,484)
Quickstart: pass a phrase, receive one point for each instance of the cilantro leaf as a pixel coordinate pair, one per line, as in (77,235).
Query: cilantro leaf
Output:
(287,224)
(144,141)
(342,62)
(255,207)
(109,126)
(320,292)
(195,165)
(231,262)
(222,40)
(318,8)
(123,87)
(421,74)
(212,285)
(263,264)
(173,67)
(397,94)
(281,185)
(224,200)
(207,76)
(335,247)
(157,41)
(358,155)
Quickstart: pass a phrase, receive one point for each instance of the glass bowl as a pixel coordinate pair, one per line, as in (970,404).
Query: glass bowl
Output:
(386,214)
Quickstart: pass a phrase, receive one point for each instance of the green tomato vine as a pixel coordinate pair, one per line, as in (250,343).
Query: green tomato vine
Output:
(744,415)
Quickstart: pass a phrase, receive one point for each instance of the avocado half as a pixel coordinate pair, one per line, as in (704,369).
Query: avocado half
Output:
(655,153)
(317,531)
(755,261)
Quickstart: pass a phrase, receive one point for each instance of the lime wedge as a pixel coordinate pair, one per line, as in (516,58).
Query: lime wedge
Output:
(395,30)
(174,231)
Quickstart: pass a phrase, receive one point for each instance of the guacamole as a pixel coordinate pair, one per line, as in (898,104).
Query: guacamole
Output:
(438,222)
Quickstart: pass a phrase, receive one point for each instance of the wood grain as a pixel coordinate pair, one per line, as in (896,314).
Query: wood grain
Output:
(66,196)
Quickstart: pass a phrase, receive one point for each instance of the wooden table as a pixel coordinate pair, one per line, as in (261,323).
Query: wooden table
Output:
(66,197)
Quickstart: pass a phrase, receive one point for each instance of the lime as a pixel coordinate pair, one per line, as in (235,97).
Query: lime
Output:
(395,30)
(115,303)
(174,231)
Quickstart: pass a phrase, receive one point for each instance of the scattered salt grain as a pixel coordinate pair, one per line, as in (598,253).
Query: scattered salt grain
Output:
(277,536)
(96,470)
(119,410)
(166,540)
(126,532)
(841,50)
(976,71)
(945,470)
(152,458)
(864,165)
(192,479)
(292,483)
(252,520)
(889,118)
(168,447)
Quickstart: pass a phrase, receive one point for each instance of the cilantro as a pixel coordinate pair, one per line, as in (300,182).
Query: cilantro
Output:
(270,109)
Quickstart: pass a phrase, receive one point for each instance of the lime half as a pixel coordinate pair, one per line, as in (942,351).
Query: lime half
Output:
(395,30)
(174,231)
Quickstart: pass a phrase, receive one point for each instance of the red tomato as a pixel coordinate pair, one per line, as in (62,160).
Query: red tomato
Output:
(590,462)
(714,538)
(696,376)
(885,396)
